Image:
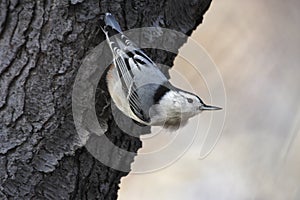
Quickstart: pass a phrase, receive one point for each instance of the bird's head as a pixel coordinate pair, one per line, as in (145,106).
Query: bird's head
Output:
(176,106)
(191,104)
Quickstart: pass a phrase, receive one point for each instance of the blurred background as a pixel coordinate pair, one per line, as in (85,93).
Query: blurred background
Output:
(256,48)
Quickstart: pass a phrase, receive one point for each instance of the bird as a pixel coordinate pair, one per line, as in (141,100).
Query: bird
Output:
(140,90)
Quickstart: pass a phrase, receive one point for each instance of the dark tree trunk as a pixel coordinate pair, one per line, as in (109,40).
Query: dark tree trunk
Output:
(42,44)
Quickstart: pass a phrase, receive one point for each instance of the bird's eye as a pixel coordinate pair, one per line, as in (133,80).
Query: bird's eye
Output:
(190,100)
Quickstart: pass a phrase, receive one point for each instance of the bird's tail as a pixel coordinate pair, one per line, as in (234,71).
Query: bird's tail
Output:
(110,26)
(120,42)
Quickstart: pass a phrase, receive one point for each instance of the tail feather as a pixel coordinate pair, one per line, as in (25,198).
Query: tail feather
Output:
(111,26)
(121,42)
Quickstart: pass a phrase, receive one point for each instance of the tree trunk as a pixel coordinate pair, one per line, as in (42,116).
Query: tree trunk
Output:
(42,44)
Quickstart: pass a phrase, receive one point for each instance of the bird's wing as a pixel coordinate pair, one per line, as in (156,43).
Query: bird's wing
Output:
(128,65)
(135,105)
(132,64)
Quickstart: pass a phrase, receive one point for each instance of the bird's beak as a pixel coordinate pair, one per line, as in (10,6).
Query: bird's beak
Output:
(208,107)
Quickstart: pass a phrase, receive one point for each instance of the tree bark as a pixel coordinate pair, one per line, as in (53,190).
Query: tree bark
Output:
(42,44)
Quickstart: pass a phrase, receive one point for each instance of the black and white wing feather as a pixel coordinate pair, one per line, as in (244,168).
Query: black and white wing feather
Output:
(129,61)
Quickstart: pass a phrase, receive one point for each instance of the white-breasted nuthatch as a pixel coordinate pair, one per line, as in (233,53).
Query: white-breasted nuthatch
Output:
(140,90)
